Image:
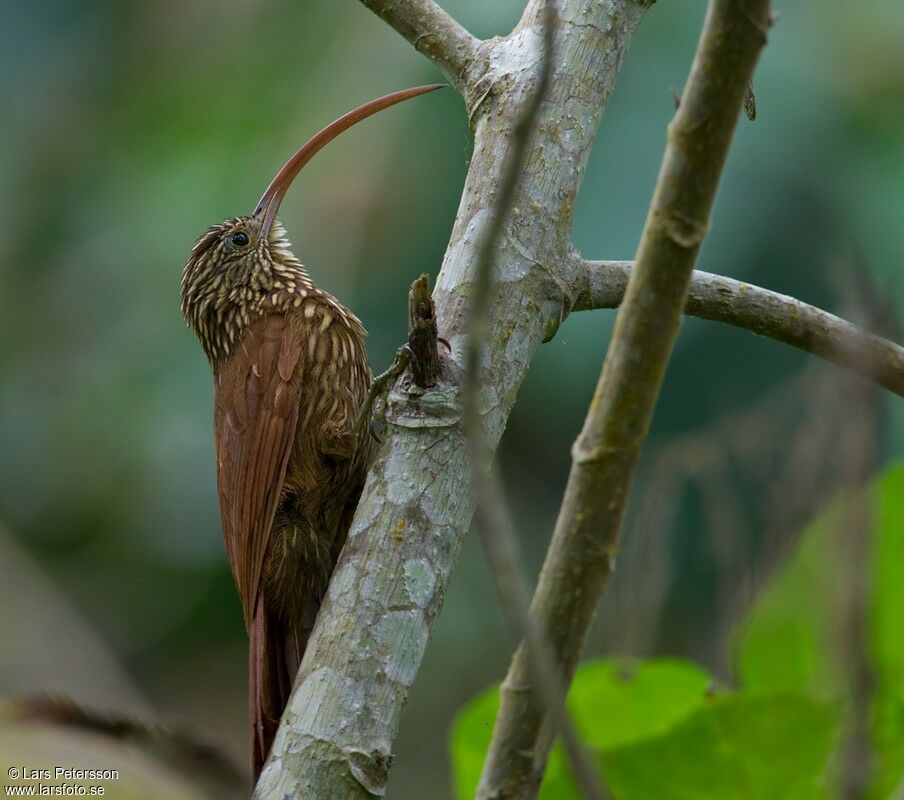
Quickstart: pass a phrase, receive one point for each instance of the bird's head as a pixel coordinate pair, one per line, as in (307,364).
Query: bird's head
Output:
(236,265)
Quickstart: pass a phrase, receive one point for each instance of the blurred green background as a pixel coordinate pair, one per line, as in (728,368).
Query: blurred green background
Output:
(127,128)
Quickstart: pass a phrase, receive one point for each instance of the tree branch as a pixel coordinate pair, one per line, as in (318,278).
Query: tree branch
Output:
(766,313)
(335,738)
(432,32)
(582,552)
(494,520)
(426,366)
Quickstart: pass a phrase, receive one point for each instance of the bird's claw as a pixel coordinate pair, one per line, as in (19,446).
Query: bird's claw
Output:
(372,427)
(379,388)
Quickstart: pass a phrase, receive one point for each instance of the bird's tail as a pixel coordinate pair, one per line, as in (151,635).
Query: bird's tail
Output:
(274,655)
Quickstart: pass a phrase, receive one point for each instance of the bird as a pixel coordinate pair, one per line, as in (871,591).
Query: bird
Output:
(290,374)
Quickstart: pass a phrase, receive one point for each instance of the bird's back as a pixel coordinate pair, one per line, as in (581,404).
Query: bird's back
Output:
(328,464)
(313,379)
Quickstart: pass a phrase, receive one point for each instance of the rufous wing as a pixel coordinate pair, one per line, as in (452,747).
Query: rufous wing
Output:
(256,401)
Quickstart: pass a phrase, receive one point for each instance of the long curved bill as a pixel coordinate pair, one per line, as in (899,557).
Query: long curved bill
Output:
(276,191)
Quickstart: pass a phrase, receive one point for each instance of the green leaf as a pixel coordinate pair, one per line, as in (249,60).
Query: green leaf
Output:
(656,733)
(888,635)
(470,740)
(888,597)
(614,703)
(789,643)
(736,747)
(617,702)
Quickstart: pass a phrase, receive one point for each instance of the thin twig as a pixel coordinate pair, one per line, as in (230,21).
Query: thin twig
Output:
(432,32)
(853,545)
(582,552)
(493,516)
(767,313)
(855,548)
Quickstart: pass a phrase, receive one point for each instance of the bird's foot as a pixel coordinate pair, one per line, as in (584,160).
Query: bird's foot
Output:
(380,388)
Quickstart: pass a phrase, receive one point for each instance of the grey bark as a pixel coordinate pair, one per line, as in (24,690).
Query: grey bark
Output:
(336,736)
(766,313)
(492,514)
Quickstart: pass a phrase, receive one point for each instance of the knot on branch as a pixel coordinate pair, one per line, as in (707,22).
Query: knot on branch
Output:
(409,406)
(683,230)
(422,400)
(371,770)
(504,74)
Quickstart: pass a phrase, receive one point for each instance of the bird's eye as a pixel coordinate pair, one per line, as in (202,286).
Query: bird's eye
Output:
(239,239)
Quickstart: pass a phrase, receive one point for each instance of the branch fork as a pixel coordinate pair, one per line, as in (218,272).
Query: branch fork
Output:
(336,736)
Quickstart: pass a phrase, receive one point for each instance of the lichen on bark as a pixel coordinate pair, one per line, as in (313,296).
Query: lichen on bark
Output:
(416,506)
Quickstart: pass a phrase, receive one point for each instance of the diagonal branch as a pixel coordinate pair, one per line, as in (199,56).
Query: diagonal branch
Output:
(494,520)
(582,552)
(336,735)
(432,32)
(766,313)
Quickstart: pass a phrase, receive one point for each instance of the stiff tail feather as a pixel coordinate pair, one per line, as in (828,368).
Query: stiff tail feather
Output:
(274,655)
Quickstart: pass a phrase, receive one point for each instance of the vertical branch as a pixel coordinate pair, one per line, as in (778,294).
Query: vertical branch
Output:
(582,552)
(855,548)
(493,516)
